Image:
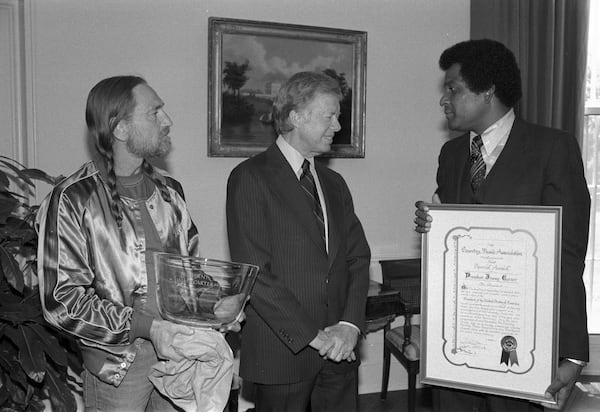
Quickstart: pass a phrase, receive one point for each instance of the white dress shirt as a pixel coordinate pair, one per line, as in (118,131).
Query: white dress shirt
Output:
(295,159)
(494,138)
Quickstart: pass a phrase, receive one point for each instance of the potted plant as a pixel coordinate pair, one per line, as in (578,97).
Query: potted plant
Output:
(36,361)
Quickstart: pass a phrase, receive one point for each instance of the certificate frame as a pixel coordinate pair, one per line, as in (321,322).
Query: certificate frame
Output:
(489,322)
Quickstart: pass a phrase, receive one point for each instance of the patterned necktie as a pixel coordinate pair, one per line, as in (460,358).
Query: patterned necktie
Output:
(307,181)
(477,163)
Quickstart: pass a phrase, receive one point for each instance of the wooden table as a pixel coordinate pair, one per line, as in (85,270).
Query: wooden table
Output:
(383,305)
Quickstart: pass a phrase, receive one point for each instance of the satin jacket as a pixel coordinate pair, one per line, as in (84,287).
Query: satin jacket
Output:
(91,272)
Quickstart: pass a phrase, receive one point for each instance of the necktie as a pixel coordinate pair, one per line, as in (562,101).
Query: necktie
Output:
(307,181)
(477,163)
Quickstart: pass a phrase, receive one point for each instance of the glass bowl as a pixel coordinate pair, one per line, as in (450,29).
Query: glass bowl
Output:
(202,292)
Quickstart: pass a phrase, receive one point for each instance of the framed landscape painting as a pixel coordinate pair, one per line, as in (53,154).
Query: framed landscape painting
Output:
(248,63)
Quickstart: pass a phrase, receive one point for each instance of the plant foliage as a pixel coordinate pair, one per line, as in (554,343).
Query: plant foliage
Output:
(35,359)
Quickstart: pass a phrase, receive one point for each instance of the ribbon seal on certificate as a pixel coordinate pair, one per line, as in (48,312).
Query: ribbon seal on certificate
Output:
(509,350)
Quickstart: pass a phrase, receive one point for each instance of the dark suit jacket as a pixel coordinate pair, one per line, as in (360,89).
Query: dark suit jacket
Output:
(300,288)
(538,166)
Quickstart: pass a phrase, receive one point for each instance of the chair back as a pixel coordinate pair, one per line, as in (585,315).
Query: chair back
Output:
(404,275)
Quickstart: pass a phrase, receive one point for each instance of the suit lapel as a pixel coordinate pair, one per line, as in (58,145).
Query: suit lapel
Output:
(334,210)
(509,159)
(287,188)
(462,159)
(514,148)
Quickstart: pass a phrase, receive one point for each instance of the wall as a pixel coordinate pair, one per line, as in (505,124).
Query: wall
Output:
(11,70)
(71,44)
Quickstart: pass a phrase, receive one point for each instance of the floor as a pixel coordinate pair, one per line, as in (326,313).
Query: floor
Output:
(396,401)
(370,402)
(585,398)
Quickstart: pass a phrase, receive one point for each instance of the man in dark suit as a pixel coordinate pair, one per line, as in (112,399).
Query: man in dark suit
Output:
(520,164)
(295,219)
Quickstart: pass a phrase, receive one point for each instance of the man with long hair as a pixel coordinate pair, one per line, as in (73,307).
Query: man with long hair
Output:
(98,231)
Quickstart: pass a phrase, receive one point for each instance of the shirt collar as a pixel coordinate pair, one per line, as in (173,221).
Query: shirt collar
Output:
(498,132)
(293,157)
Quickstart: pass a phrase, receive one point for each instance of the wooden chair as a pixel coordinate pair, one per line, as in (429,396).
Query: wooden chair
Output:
(404,342)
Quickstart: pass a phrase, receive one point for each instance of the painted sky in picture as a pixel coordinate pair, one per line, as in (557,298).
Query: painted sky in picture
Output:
(274,59)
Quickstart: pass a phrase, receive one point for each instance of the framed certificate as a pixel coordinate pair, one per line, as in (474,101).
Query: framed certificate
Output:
(490,310)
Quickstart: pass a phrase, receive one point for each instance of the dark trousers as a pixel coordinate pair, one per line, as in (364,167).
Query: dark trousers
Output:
(455,400)
(326,392)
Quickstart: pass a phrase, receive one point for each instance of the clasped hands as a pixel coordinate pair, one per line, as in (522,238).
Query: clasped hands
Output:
(336,342)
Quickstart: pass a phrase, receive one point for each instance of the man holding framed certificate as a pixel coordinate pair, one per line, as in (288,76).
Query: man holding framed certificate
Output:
(503,160)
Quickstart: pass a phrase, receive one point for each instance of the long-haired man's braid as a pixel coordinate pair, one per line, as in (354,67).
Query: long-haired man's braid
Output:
(116,206)
(149,171)
(104,147)
(110,101)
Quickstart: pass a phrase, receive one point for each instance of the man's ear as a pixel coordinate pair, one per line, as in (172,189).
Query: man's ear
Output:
(296,118)
(121,132)
(489,94)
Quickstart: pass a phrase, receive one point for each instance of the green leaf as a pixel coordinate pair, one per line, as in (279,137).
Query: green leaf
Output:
(31,356)
(30,350)
(17,171)
(7,207)
(11,366)
(5,160)
(15,337)
(25,174)
(3,390)
(18,313)
(42,176)
(17,394)
(61,397)
(10,301)
(35,404)
(30,396)
(17,224)
(7,194)
(4,182)
(12,273)
(51,345)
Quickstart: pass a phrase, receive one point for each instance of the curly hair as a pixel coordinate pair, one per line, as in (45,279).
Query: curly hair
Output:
(297,92)
(485,63)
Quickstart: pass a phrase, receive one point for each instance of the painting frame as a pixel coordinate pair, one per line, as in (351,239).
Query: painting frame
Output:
(227,138)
